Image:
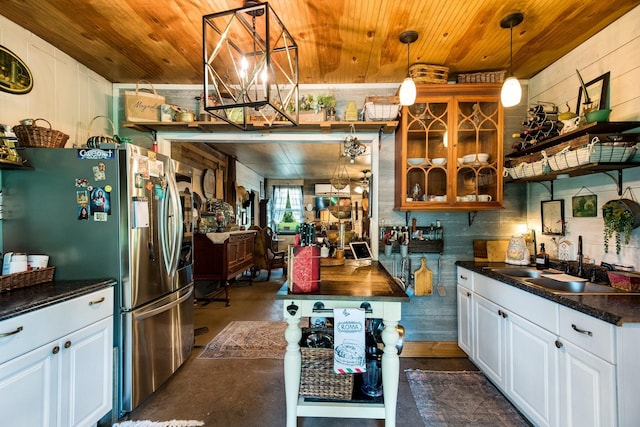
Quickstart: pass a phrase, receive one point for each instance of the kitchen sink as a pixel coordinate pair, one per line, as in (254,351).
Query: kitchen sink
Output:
(576,287)
(518,271)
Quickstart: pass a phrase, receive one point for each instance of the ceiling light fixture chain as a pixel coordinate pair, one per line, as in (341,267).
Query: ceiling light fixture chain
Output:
(340,178)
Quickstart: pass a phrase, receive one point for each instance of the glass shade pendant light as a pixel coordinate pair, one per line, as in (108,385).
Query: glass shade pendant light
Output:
(408,86)
(511,90)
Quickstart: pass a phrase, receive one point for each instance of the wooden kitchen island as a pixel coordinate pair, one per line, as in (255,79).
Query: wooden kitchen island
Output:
(355,284)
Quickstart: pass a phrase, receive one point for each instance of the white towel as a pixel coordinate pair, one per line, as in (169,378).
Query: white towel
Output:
(349,342)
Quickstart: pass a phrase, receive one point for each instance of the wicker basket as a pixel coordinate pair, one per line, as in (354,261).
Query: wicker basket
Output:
(317,379)
(482,77)
(31,135)
(26,278)
(426,73)
(95,141)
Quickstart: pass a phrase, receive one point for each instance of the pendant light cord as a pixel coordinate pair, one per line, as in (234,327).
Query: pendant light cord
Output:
(511,50)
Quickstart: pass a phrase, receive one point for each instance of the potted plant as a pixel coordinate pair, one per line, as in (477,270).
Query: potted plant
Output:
(620,217)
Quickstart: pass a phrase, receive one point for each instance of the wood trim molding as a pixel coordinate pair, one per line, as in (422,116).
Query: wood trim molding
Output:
(432,349)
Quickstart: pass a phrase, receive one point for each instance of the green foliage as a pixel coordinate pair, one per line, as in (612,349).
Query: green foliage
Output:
(619,219)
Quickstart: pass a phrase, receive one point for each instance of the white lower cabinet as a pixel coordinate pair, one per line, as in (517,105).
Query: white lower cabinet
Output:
(465,333)
(557,365)
(68,380)
(587,371)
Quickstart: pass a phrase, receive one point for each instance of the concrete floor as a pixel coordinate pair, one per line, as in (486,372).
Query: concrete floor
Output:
(250,392)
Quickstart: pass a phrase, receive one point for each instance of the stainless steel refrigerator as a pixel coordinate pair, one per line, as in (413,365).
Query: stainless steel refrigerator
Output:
(114,213)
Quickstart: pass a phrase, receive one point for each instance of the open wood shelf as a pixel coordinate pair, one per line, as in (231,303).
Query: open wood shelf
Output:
(220,126)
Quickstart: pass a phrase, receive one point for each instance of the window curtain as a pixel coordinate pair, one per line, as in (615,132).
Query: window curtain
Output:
(279,207)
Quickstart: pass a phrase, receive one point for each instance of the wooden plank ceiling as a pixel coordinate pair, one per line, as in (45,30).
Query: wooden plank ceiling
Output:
(340,42)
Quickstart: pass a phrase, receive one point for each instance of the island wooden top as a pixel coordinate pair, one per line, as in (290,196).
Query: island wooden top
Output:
(349,281)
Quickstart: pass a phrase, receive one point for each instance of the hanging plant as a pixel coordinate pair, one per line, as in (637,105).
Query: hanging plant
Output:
(620,217)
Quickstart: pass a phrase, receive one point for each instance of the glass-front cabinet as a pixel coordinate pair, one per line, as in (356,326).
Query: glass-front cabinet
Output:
(449,149)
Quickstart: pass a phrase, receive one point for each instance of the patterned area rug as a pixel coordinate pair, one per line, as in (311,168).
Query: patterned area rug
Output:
(248,340)
(461,399)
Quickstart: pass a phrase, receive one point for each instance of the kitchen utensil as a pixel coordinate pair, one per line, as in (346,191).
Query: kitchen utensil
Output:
(423,279)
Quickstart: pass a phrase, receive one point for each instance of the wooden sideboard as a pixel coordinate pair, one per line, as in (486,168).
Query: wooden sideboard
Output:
(222,257)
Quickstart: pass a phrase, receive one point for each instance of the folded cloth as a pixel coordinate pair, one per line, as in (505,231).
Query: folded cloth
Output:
(349,342)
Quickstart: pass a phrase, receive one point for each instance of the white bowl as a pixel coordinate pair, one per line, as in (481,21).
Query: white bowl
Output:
(483,157)
(460,160)
(476,157)
(415,161)
(439,161)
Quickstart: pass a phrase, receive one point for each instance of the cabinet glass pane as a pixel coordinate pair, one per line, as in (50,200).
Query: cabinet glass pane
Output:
(478,131)
(427,131)
(477,184)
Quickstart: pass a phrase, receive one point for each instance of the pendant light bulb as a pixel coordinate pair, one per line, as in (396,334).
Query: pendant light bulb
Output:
(511,92)
(408,92)
(408,86)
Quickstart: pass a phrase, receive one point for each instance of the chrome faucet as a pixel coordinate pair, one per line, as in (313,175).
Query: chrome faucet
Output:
(580,271)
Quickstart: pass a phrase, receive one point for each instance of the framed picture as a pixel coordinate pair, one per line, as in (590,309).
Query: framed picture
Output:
(596,96)
(585,205)
(552,213)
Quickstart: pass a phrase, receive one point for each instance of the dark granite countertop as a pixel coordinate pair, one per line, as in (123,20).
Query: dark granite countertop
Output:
(615,308)
(24,300)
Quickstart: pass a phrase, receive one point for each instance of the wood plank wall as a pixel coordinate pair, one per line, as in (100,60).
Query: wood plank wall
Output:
(614,49)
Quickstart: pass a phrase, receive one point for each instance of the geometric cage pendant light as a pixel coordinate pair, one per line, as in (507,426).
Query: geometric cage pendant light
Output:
(407,91)
(250,65)
(511,92)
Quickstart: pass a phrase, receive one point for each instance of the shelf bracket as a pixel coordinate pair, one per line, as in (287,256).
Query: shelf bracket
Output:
(472,216)
(618,182)
(549,187)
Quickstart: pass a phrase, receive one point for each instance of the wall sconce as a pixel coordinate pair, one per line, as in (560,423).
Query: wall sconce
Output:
(408,86)
(250,67)
(511,90)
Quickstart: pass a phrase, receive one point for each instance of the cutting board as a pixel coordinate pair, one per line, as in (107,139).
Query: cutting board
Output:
(490,250)
(423,279)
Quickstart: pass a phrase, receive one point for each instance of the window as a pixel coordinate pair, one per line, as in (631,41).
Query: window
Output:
(287,209)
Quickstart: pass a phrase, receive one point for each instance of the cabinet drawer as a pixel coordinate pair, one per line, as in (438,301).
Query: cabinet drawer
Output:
(36,328)
(589,333)
(465,278)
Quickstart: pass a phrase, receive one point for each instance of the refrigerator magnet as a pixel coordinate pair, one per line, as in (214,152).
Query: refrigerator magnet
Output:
(83,212)
(99,172)
(100,216)
(159,191)
(82,197)
(100,201)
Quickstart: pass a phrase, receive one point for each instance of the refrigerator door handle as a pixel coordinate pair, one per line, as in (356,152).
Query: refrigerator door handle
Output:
(170,224)
(165,307)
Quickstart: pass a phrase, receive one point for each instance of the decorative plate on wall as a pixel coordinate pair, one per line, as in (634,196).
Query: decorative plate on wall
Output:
(15,76)
(209,183)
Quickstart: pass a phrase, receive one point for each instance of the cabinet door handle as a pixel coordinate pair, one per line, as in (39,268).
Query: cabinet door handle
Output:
(67,344)
(581,331)
(96,302)
(463,277)
(559,344)
(56,350)
(468,294)
(8,334)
